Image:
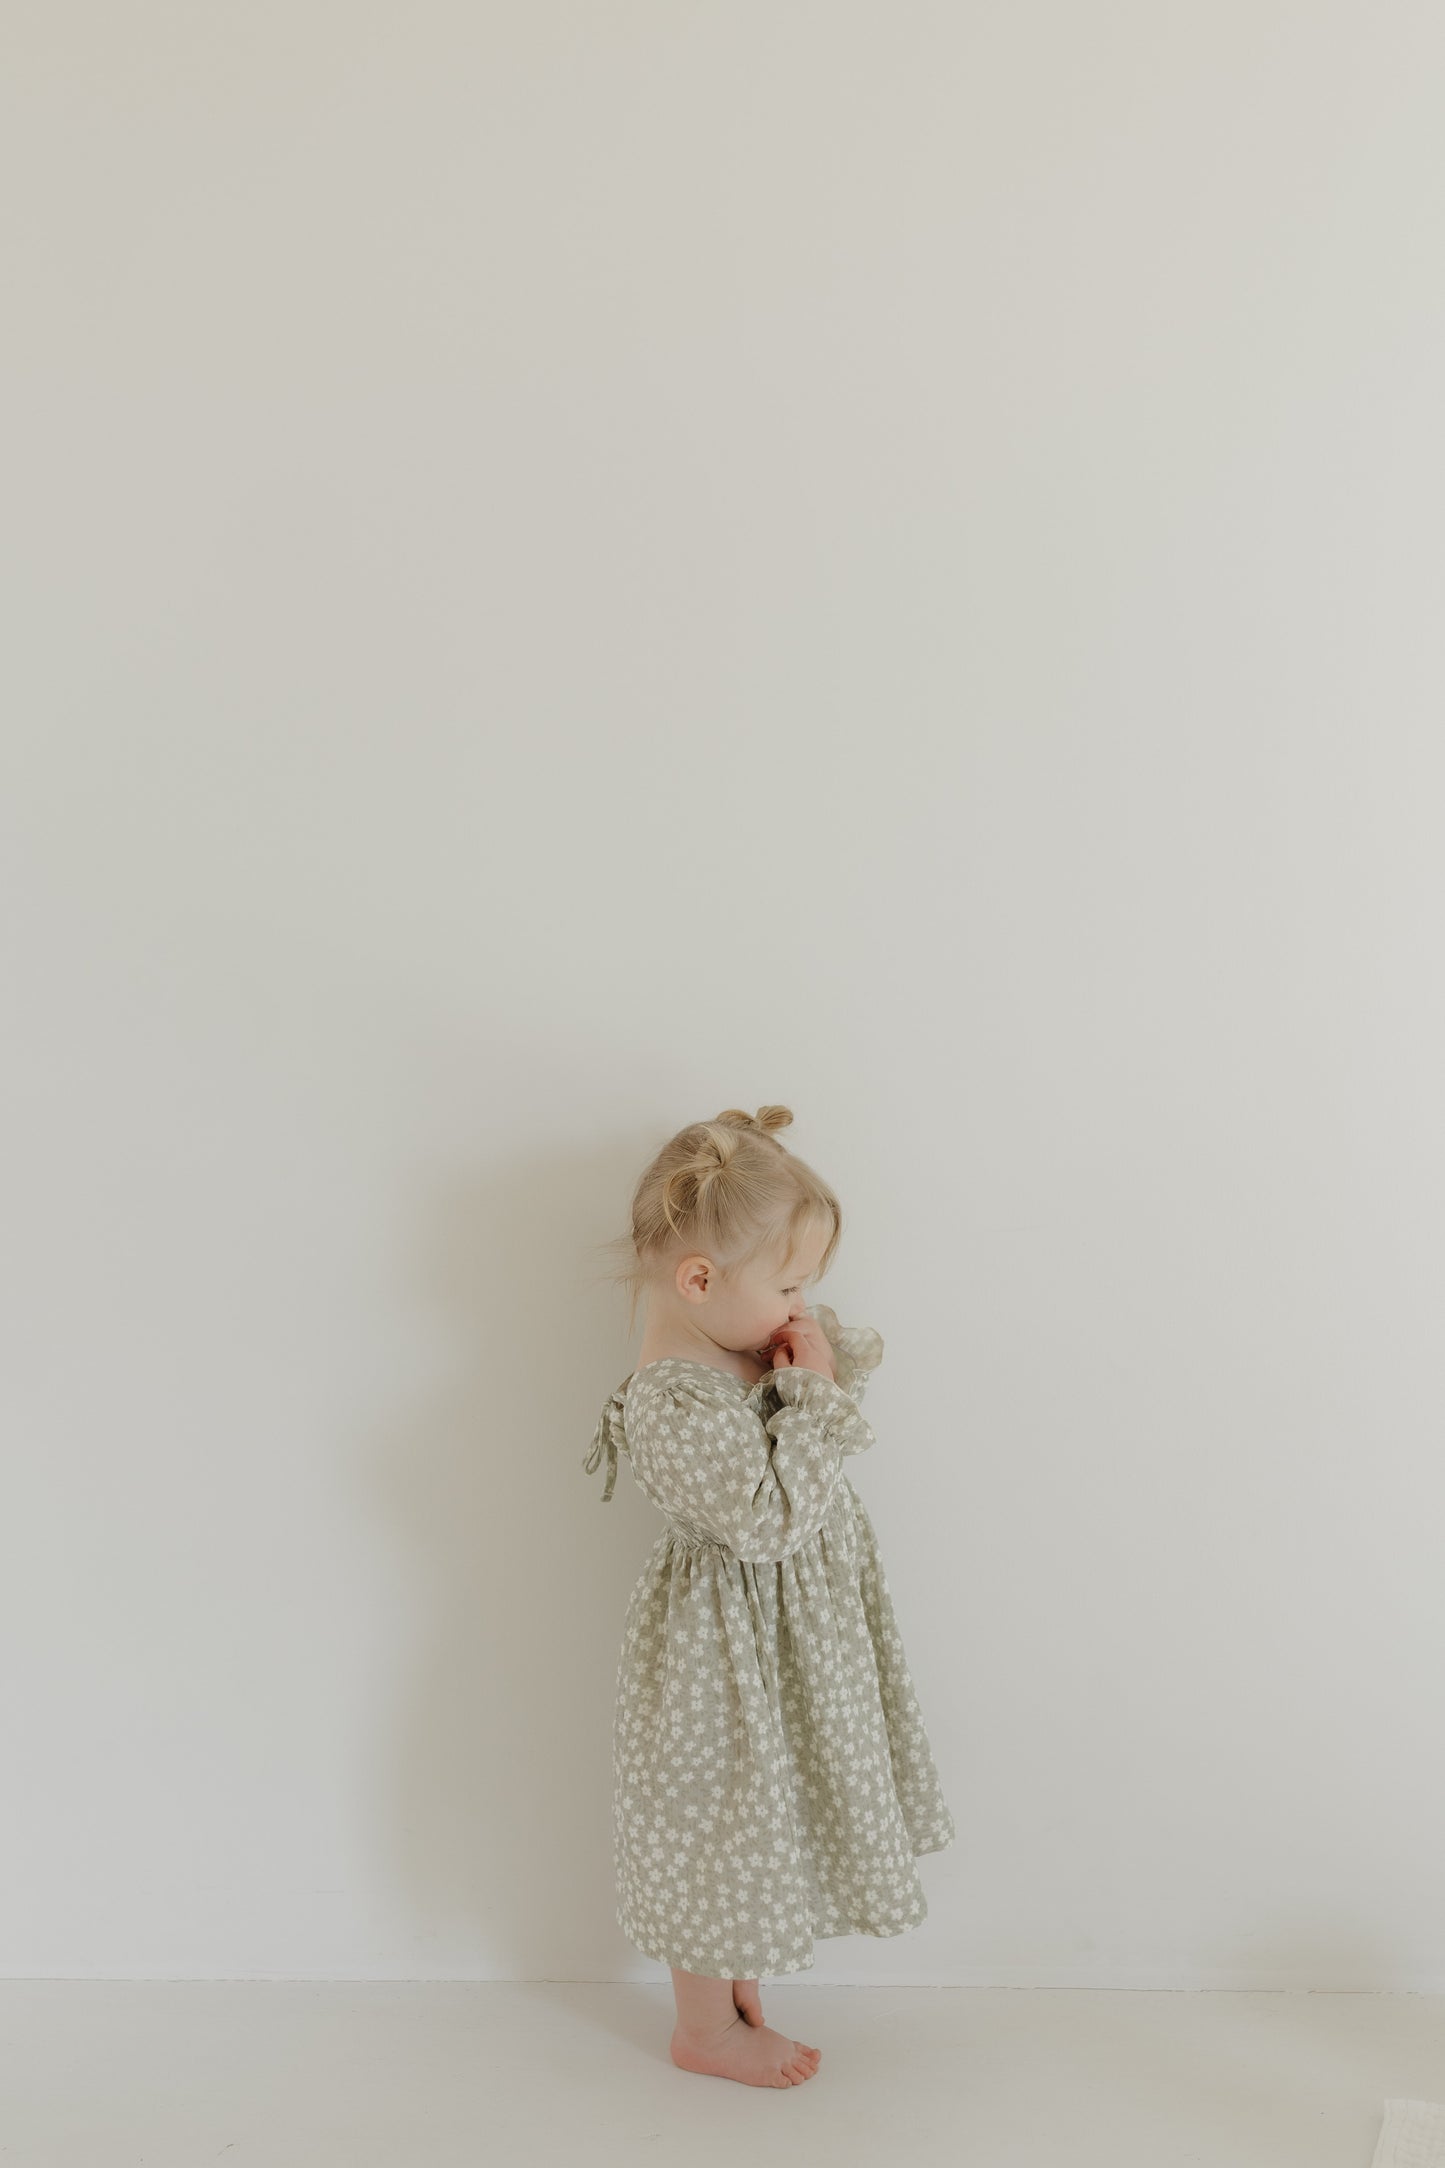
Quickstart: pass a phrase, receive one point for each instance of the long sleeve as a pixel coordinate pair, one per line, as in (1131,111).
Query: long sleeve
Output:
(759,1485)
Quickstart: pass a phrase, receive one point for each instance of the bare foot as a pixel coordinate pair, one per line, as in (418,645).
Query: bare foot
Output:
(753,2054)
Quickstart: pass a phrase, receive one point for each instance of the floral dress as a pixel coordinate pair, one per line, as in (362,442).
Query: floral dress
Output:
(772,1778)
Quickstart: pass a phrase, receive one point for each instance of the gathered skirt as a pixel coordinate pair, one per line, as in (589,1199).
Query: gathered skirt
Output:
(772,1778)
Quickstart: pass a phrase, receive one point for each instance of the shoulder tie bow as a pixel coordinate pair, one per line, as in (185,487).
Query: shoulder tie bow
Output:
(605,1439)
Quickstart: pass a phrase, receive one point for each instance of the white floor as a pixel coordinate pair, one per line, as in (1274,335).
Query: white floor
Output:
(269,2074)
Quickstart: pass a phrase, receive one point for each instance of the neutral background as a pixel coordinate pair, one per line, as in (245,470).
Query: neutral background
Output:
(569,567)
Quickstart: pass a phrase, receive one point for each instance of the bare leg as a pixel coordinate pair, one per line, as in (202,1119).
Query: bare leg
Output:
(748,2000)
(713,2038)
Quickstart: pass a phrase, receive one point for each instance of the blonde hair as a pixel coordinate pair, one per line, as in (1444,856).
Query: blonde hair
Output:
(730,1190)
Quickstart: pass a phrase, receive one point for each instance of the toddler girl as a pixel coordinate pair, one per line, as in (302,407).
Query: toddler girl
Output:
(772,1778)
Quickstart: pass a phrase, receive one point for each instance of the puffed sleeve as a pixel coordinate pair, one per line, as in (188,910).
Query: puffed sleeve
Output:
(759,1484)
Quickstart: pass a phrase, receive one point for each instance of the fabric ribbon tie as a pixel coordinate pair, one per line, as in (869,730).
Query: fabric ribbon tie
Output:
(605,1441)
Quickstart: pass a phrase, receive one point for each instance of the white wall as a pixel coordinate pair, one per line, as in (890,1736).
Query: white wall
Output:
(569,567)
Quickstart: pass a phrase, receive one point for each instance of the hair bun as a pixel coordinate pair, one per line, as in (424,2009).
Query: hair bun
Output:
(764,1122)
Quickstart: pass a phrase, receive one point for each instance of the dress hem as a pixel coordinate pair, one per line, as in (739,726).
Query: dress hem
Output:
(773,1972)
(820,1934)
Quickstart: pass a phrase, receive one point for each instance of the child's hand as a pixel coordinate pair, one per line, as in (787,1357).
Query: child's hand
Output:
(802,1344)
